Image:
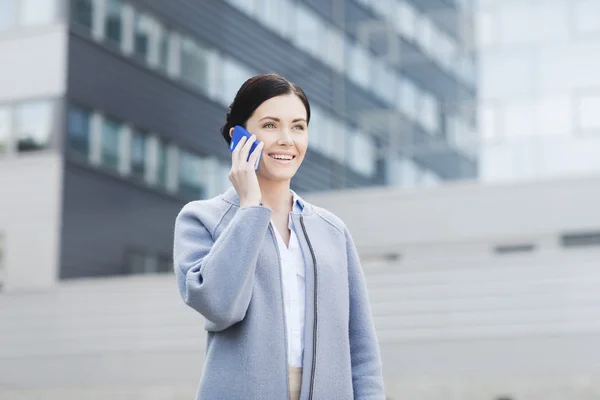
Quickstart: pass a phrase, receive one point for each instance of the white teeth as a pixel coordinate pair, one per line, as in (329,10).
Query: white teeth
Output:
(279,157)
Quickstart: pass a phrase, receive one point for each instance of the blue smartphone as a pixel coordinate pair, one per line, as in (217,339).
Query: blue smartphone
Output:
(238,133)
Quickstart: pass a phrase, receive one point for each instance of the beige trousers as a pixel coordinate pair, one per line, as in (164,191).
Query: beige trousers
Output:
(295,377)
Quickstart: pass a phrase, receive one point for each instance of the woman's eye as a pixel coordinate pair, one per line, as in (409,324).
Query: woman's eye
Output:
(301,127)
(269,125)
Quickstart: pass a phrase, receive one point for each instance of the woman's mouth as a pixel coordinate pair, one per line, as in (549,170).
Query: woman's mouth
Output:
(282,158)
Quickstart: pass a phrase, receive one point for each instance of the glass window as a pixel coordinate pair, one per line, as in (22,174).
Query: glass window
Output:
(138,154)
(79,127)
(190,176)
(7,13)
(427,35)
(310,31)
(163,47)
(360,65)
(4,127)
(587,16)
(409,98)
(111,137)
(318,130)
(384,81)
(429,113)
(234,75)
(278,15)
(144,27)
(589,113)
(406,19)
(37,12)
(194,63)
(114,21)
(363,153)
(335,48)
(33,125)
(162,162)
(82,13)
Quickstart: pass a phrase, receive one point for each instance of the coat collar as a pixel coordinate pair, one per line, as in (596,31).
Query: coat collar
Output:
(304,207)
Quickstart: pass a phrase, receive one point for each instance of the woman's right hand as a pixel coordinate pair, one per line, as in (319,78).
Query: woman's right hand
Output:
(242,174)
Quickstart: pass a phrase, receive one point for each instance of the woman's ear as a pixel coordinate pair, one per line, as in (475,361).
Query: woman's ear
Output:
(231,132)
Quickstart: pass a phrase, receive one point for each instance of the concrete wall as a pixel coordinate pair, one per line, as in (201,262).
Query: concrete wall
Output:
(30,218)
(466,219)
(33,63)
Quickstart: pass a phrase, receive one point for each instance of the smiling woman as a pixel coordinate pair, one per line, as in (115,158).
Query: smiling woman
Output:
(277,279)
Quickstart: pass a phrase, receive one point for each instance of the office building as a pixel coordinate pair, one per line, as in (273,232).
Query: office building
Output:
(539,88)
(110,111)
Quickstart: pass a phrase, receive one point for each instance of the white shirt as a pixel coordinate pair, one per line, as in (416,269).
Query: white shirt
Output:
(293,280)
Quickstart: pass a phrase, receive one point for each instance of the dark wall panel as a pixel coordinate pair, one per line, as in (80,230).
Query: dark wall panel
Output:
(104,216)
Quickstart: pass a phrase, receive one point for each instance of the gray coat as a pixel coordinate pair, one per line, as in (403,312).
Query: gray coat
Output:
(227,267)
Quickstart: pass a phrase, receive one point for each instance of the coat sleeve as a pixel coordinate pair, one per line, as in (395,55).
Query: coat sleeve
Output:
(367,375)
(216,277)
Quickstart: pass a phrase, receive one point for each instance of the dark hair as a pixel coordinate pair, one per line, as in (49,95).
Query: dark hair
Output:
(253,93)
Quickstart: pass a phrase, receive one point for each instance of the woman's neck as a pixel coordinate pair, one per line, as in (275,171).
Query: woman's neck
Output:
(276,195)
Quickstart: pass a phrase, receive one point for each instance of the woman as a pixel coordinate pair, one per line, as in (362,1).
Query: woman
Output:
(277,279)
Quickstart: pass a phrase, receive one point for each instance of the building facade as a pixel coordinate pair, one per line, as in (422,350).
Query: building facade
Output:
(113,108)
(539,88)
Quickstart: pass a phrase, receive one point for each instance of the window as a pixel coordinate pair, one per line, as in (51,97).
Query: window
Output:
(234,75)
(114,21)
(363,153)
(194,63)
(37,12)
(163,47)
(190,176)
(427,36)
(335,48)
(79,131)
(4,128)
(7,13)
(320,130)
(138,154)
(406,20)
(144,26)
(310,31)
(278,15)
(383,81)
(162,162)
(360,65)
(111,137)
(587,16)
(589,117)
(82,13)
(33,124)
(408,98)
(429,113)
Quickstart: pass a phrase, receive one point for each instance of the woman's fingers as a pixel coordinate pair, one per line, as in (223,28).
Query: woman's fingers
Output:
(255,155)
(235,154)
(245,150)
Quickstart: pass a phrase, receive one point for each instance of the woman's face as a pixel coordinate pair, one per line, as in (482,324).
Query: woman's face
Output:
(280,123)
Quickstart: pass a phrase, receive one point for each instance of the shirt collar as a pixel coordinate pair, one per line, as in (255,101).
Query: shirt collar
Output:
(298,203)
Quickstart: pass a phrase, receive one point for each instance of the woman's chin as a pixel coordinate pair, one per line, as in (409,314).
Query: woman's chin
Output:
(278,174)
